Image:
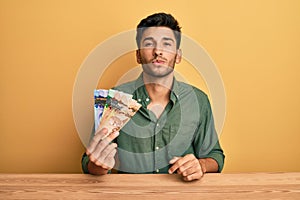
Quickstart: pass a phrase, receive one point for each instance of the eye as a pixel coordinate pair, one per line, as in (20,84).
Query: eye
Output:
(148,44)
(167,44)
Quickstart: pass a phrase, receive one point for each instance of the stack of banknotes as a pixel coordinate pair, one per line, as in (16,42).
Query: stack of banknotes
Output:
(113,109)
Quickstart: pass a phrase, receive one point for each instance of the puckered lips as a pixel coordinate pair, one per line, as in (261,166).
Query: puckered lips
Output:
(158,61)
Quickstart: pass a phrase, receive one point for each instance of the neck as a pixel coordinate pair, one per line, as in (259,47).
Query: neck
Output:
(163,82)
(158,88)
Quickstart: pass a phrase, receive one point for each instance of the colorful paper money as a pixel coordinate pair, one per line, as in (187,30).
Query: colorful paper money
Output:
(119,109)
(100,97)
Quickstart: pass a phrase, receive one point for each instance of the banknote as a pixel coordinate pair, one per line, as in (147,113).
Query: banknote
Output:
(100,97)
(118,110)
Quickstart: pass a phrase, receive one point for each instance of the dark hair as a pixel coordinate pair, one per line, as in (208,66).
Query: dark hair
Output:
(159,19)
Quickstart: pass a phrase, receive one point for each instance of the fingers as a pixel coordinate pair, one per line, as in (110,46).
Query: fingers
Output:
(101,151)
(101,156)
(177,162)
(105,158)
(191,177)
(97,141)
(108,162)
(110,159)
(188,166)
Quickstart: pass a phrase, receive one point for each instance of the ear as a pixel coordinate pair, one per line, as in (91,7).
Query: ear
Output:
(178,56)
(138,56)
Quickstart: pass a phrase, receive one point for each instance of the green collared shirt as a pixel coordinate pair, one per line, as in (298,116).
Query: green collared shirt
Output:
(146,143)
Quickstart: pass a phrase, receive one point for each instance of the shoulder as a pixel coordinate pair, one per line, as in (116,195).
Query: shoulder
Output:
(128,87)
(187,89)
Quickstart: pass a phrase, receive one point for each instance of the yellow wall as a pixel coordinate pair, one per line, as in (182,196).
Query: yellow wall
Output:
(255,44)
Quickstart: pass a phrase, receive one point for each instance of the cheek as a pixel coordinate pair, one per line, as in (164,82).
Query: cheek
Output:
(171,57)
(171,51)
(146,53)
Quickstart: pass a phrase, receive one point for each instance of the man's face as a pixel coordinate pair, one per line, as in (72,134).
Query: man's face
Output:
(158,53)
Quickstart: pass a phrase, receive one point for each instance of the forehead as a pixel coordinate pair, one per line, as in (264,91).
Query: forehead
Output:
(158,32)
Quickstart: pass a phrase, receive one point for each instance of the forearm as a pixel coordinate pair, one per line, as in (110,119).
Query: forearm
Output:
(96,170)
(208,165)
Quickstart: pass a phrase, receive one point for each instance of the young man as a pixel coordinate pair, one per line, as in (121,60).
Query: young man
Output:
(173,131)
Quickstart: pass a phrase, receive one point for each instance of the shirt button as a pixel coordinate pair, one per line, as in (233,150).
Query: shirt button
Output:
(147,99)
(139,100)
(157,124)
(157,170)
(156,148)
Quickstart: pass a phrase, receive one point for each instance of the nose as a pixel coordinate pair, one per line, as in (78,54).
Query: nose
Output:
(158,51)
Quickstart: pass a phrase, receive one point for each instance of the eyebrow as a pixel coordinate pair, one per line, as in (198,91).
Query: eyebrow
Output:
(167,38)
(164,38)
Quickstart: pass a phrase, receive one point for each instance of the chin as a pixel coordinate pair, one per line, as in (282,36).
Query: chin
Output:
(158,72)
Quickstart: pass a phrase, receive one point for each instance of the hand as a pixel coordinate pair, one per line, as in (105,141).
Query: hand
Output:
(100,151)
(188,166)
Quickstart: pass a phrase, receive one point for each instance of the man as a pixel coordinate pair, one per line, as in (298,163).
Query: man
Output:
(173,131)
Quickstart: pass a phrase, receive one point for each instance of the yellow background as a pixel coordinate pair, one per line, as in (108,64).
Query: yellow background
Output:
(255,44)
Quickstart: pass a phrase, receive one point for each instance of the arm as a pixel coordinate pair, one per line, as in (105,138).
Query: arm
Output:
(208,155)
(208,165)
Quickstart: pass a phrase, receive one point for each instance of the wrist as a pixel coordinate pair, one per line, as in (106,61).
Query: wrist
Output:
(202,163)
